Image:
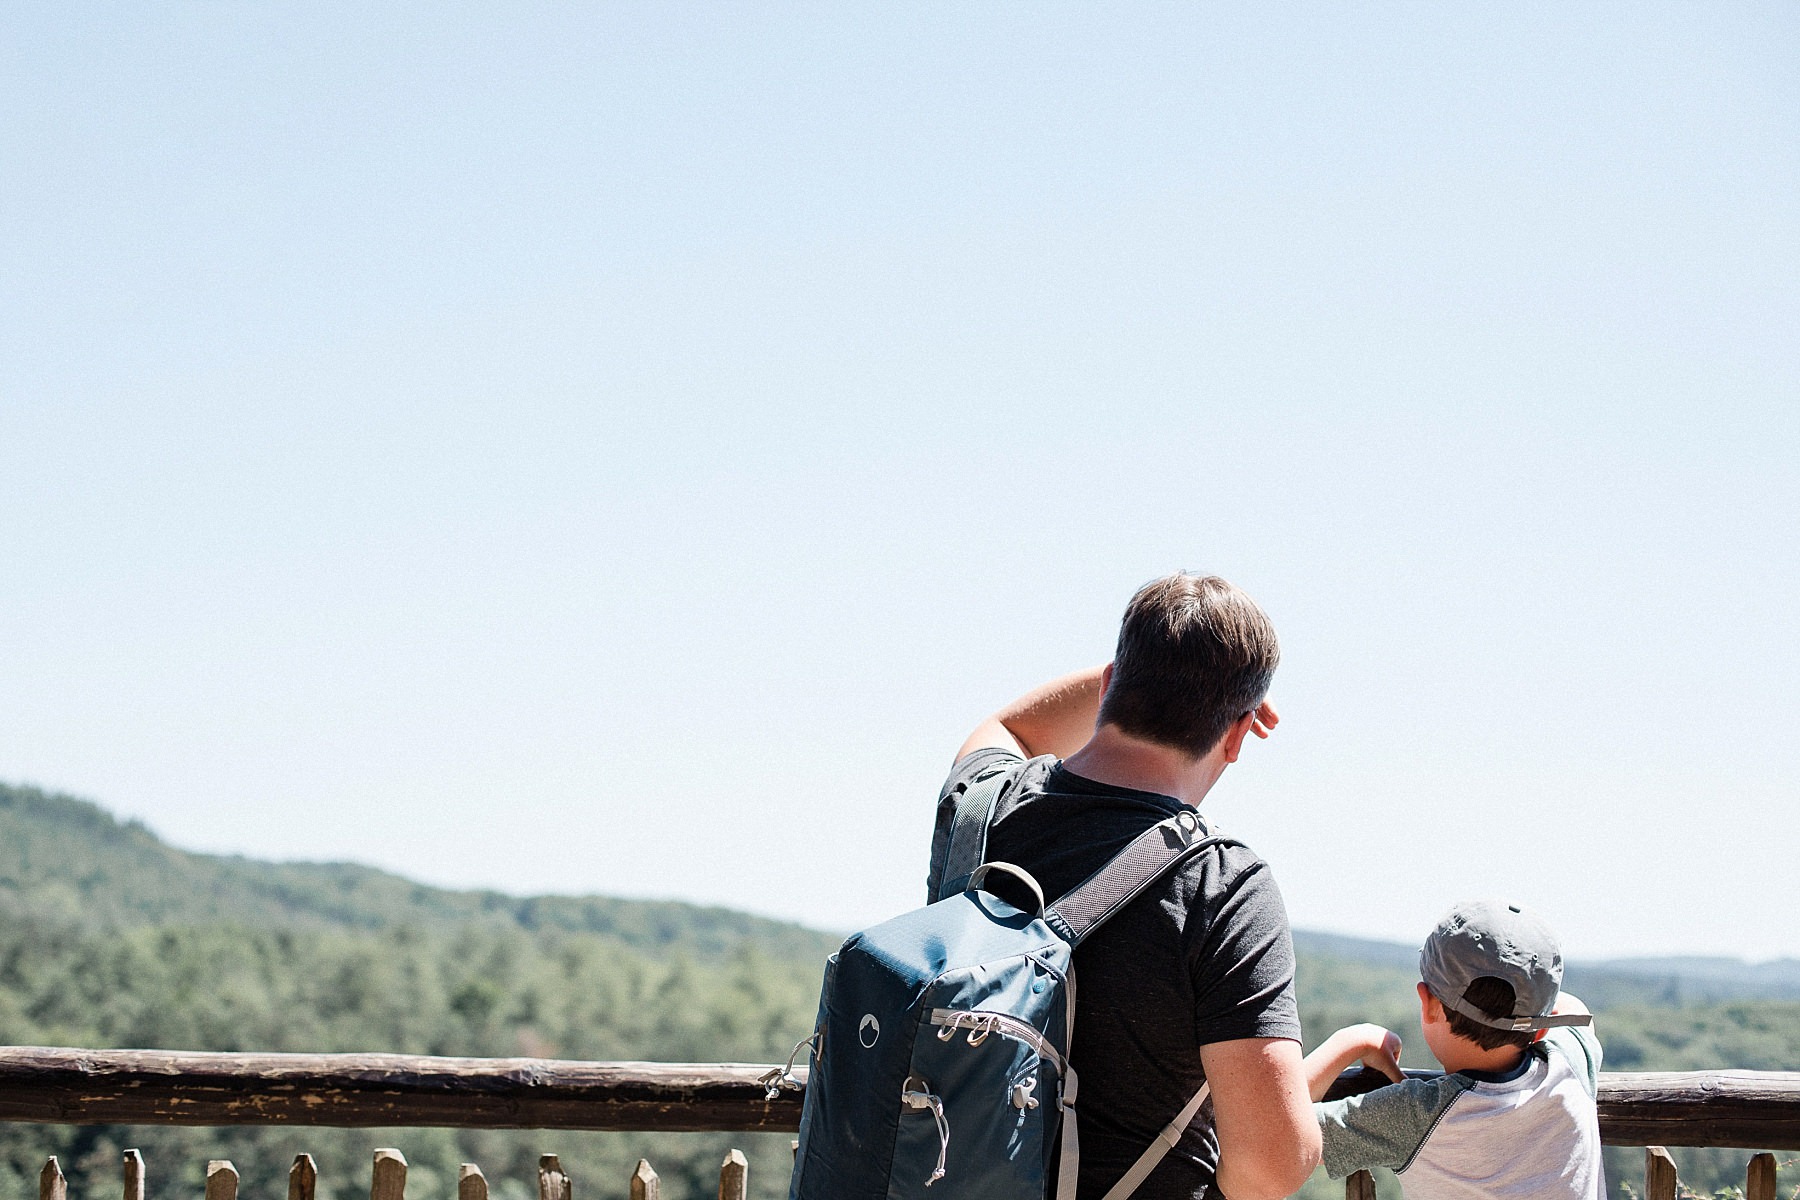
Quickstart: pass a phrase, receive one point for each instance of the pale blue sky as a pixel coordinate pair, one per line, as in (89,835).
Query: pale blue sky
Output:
(625,450)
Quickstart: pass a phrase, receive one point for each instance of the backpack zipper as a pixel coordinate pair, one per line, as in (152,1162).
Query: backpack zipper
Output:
(980,1024)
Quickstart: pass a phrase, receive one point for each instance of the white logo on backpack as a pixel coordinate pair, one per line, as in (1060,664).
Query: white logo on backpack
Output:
(869,1032)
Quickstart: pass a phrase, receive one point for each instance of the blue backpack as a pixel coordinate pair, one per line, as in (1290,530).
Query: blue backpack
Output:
(940,1060)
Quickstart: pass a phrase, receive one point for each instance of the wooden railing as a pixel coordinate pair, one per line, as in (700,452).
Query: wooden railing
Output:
(1752,1109)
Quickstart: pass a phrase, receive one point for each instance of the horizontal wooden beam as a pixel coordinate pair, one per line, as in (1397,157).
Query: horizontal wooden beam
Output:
(1758,1110)
(1754,1109)
(159,1087)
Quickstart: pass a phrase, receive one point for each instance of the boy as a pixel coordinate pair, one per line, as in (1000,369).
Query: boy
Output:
(1512,1117)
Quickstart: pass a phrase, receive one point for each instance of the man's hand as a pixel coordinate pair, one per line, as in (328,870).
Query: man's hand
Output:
(1370,1045)
(1264,720)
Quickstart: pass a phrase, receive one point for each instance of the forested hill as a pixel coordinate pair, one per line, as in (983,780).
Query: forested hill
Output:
(71,862)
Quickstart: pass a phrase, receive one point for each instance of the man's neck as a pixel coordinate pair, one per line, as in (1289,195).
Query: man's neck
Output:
(1116,758)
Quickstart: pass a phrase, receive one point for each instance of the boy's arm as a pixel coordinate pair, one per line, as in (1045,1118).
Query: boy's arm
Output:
(1579,1044)
(1371,1045)
(1568,1002)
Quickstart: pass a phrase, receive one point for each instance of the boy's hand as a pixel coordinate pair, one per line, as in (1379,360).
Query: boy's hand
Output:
(1376,1048)
(1370,1045)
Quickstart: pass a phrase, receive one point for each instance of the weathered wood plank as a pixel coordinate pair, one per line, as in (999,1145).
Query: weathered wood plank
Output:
(154,1087)
(221,1180)
(1660,1179)
(1359,1185)
(471,1184)
(303,1178)
(552,1183)
(734,1176)
(51,1184)
(1757,1109)
(134,1175)
(387,1179)
(644,1183)
(1759,1180)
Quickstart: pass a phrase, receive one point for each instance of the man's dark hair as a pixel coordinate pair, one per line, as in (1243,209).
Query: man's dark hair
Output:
(1194,655)
(1495,997)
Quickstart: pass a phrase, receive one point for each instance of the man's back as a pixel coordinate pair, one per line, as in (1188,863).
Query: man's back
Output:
(1182,981)
(1203,957)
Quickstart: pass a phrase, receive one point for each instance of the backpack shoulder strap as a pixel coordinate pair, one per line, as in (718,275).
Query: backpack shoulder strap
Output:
(1144,860)
(969,829)
(1141,863)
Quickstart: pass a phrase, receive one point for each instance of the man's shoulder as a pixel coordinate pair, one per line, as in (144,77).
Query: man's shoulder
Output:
(982,763)
(1224,869)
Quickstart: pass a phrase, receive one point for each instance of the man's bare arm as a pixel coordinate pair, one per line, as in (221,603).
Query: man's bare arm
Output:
(1268,1136)
(1057,718)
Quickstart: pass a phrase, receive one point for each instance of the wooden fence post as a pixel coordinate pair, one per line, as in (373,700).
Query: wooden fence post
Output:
(552,1183)
(734,1176)
(644,1183)
(1360,1185)
(387,1180)
(221,1180)
(134,1175)
(51,1184)
(1659,1174)
(471,1184)
(1759,1181)
(303,1178)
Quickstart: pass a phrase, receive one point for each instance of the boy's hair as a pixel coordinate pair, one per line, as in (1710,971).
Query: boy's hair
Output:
(1194,655)
(1494,997)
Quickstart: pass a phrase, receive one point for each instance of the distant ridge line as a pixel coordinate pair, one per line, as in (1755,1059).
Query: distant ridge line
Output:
(68,860)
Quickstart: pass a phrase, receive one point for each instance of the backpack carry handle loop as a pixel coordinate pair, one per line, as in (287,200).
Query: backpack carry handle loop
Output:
(979,875)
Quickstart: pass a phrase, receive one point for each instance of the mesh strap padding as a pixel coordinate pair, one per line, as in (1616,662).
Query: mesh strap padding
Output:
(1120,881)
(968,832)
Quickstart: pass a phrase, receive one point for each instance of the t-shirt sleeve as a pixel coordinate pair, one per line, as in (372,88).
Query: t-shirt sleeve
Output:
(1385,1127)
(1581,1047)
(1243,962)
(967,769)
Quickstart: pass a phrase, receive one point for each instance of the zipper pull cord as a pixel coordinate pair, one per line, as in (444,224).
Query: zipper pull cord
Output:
(783,1076)
(921,1099)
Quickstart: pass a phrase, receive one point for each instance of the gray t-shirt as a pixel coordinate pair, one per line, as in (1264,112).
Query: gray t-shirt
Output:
(1203,956)
(1530,1134)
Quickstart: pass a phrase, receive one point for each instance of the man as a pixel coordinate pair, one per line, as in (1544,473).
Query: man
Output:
(1193,982)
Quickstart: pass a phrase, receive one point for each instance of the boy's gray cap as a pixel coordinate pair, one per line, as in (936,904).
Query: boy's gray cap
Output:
(1492,937)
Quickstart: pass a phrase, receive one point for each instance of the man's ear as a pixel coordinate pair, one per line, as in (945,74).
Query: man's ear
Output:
(1430,1011)
(1235,734)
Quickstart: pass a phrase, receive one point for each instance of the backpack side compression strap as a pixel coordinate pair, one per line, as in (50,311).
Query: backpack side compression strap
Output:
(1158,1147)
(969,830)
